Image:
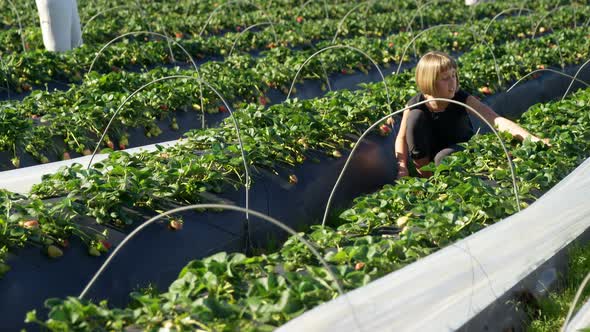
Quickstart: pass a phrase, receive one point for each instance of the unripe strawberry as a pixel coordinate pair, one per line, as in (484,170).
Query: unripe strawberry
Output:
(44,159)
(87,152)
(175,224)
(66,156)
(293,179)
(336,154)
(54,252)
(31,224)
(93,251)
(359,266)
(111,145)
(15,161)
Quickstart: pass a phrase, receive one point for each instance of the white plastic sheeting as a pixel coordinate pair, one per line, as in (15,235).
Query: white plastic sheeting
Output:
(445,290)
(581,320)
(22,180)
(60,24)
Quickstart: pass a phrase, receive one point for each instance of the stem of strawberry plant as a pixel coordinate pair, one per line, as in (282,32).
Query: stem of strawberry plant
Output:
(376,123)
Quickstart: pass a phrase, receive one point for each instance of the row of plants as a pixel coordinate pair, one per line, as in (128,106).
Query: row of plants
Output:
(75,118)
(278,136)
(40,66)
(380,233)
(382,18)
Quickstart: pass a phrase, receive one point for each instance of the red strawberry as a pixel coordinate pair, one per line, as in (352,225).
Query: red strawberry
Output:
(222,109)
(359,266)
(384,130)
(179,35)
(299,19)
(343,71)
(164,107)
(238,28)
(105,244)
(26,87)
(115,69)
(64,243)
(390,45)
(66,156)
(122,146)
(111,145)
(34,116)
(262,100)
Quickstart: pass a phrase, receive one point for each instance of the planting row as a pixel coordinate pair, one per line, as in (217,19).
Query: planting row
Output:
(380,233)
(378,18)
(76,118)
(36,68)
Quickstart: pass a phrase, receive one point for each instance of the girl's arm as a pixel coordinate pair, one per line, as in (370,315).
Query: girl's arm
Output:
(500,122)
(401,149)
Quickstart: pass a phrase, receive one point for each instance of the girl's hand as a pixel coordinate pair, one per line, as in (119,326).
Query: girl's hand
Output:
(545,141)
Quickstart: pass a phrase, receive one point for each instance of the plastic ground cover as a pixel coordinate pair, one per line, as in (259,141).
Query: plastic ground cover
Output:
(581,320)
(444,291)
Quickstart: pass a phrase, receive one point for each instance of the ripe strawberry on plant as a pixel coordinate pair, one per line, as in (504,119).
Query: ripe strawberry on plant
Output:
(178,35)
(390,45)
(343,71)
(104,245)
(222,109)
(111,145)
(359,266)
(115,69)
(66,156)
(384,130)
(299,19)
(26,87)
(163,107)
(262,100)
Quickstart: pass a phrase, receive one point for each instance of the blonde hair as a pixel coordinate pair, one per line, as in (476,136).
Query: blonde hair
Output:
(430,66)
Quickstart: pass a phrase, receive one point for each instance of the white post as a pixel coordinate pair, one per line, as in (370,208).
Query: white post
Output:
(60,24)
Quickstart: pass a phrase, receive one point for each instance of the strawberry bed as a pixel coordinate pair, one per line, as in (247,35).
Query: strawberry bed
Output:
(88,208)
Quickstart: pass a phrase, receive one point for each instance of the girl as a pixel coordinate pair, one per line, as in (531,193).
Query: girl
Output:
(431,131)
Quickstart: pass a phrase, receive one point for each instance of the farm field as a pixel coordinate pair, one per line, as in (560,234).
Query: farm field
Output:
(264,102)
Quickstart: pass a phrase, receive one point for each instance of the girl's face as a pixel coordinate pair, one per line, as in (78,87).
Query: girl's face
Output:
(446,84)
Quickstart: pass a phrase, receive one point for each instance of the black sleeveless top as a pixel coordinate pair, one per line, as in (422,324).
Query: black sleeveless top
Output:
(452,125)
